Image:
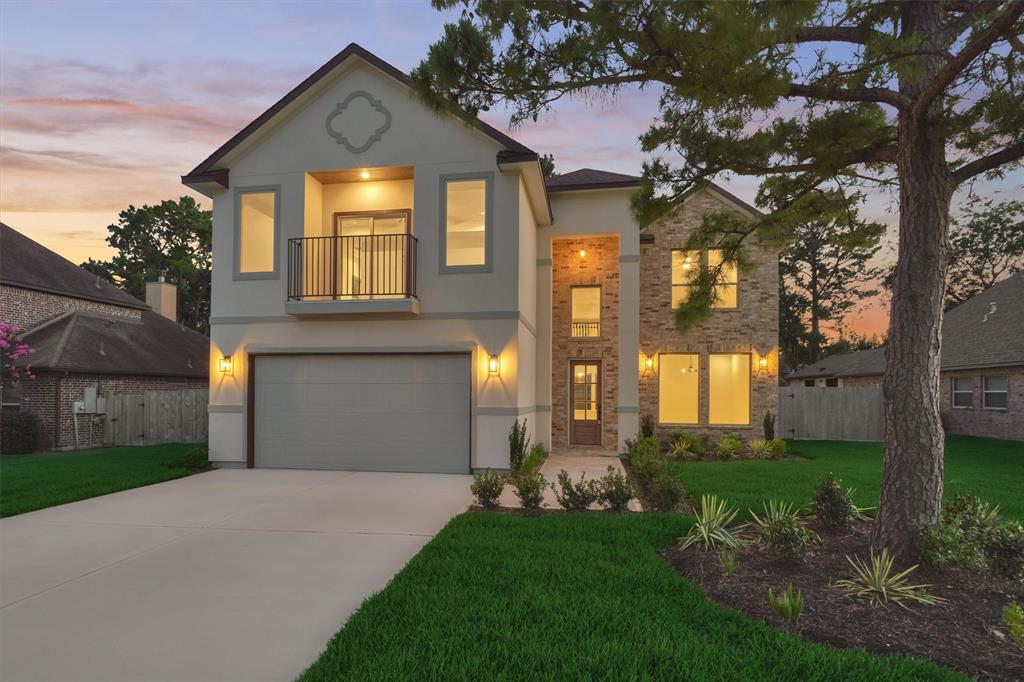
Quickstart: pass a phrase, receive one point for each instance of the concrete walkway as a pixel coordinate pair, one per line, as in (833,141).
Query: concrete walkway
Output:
(228,575)
(594,466)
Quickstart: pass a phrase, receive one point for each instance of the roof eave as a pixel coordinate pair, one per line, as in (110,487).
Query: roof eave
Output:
(620,184)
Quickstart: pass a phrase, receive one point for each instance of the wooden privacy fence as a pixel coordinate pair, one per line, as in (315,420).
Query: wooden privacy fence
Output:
(847,413)
(157,417)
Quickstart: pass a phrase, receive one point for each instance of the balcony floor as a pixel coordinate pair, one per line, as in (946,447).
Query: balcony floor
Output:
(366,306)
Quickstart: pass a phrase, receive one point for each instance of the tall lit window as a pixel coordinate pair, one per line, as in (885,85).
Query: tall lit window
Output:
(963,392)
(679,388)
(729,388)
(996,395)
(465,222)
(727,289)
(586,311)
(685,265)
(257,232)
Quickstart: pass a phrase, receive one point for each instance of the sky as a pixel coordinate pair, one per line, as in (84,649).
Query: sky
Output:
(107,104)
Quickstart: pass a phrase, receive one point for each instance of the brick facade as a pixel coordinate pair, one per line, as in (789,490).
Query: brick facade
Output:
(752,327)
(978,420)
(600,266)
(28,308)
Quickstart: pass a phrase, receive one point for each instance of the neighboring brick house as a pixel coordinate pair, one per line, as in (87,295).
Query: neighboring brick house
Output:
(982,364)
(85,332)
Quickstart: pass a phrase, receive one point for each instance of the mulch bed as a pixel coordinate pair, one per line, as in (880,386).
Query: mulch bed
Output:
(966,633)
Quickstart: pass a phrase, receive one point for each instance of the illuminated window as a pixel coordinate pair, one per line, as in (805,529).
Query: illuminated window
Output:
(466,222)
(726,291)
(996,394)
(256,250)
(586,311)
(685,265)
(963,392)
(729,388)
(679,388)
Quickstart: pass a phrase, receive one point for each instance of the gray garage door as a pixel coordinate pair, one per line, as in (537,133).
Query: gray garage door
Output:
(395,412)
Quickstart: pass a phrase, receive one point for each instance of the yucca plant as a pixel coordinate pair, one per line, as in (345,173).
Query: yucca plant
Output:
(712,529)
(876,582)
(729,447)
(759,449)
(775,510)
(780,529)
(789,604)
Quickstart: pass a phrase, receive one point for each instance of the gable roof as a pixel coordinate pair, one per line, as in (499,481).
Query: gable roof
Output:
(80,341)
(984,331)
(27,264)
(590,178)
(722,193)
(207,171)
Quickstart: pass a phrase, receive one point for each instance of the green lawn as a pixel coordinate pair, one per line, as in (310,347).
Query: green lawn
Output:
(990,469)
(30,482)
(571,597)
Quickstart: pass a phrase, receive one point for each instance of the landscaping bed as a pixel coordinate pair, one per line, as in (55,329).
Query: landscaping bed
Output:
(960,633)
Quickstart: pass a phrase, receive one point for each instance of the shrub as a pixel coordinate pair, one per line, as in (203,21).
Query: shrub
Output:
(728,557)
(529,488)
(729,447)
(833,504)
(769,426)
(1004,551)
(876,582)
(615,490)
(518,445)
(536,457)
(1013,615)
(647,426)
(686,445)
(789,538)
(665,492)
(196,458)
(759,449)
(789,605)
(486,488)
(962,533)
(575,496)
(776,448)
(19,432)
(712,529)
(645,458)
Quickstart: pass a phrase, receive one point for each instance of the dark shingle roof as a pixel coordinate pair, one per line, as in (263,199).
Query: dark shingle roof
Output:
(81,341)
(984,331)
(590,178)
(30,265)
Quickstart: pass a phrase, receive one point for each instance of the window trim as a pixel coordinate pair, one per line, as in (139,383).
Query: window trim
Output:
(953,393)
(700,386)
(488,265)
(600,316)
(750,391)
(985,392)
(702,262)
(237,274)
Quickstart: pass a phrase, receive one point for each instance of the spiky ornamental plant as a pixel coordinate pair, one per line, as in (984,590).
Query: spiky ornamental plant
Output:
(820,99)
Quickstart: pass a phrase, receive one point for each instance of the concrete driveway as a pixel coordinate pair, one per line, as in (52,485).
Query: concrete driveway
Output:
(228,575)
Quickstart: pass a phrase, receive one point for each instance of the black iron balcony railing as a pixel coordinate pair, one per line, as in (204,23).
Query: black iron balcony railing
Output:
(352,267)
(586,328)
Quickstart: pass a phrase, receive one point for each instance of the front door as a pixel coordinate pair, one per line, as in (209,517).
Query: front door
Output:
(585,402)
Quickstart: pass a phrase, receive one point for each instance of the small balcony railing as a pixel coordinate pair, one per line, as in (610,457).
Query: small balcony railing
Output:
(379,266)
(586,328)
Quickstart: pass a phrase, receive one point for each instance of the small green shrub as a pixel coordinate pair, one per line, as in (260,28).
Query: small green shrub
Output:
(19,432)
(686,445)
(712,528)
(486,489)
(535,459)
(1013,615)
(645,458)
(615,490)
(729,559)
(789,538)
(665,492)
(789,605)
(729,447)
(1004,551)
(647,426)
(776,448)
(833,504)
(575,497)
(962,533)
(759,449)
(529,489)
(518,445)
(769,426)
(196,458)
(879,584)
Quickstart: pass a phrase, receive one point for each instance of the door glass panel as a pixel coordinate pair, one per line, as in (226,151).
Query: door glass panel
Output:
(584,393)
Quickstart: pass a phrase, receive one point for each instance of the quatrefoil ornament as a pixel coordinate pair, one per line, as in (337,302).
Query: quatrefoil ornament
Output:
(346,132)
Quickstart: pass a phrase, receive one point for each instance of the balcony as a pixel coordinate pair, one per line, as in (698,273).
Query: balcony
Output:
(373,273)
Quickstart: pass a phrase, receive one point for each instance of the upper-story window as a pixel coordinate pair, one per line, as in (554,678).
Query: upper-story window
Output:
(685,266)
(996,394)
(963,392)
(586,311)
(257,219)
(466,228)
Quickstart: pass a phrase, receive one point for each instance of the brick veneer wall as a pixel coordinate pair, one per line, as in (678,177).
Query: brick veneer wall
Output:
(599,266)
(752,327)
(29,309)
(978,421)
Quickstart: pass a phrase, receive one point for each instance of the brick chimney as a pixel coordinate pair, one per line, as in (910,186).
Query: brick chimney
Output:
(162,297)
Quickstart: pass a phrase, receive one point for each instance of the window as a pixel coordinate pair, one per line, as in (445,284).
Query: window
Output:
(808,382)
(371,257)
(729,388)
(996,394)
(727,290)
(465,207)
(963,392)
(586,311)
(831,382)
(685,265)
(256,236)
(678,388)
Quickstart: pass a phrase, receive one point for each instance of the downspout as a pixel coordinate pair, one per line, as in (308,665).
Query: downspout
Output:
(58,381)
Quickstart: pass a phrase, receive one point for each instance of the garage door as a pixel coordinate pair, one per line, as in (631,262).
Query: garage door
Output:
(394,412)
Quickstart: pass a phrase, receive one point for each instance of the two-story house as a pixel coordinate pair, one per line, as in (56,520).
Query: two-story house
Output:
(393,288)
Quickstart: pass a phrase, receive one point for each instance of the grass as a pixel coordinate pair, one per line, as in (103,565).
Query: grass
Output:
(36,481)
(569,597)
(991,469)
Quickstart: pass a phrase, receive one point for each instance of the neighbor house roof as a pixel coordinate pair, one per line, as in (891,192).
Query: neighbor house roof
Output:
(207,171)
(81,341)
(29,265)
(590,178)
(984,331)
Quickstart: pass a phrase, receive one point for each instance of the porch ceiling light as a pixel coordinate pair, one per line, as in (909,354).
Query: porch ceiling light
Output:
(225,365)
(493,364)
(365,175)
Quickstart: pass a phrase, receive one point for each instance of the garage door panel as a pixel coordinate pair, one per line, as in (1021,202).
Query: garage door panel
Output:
(363,412)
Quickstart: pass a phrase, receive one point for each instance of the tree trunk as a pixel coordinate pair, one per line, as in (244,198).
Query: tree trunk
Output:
(911,496)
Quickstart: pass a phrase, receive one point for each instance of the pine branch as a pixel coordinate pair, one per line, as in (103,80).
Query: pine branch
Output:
(1007,154)
(836,94)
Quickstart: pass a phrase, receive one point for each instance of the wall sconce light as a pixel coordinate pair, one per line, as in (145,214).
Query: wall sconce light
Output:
(762,362)
(648,364)
(225,365)
(365,175)
(493,364)
(583,253)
